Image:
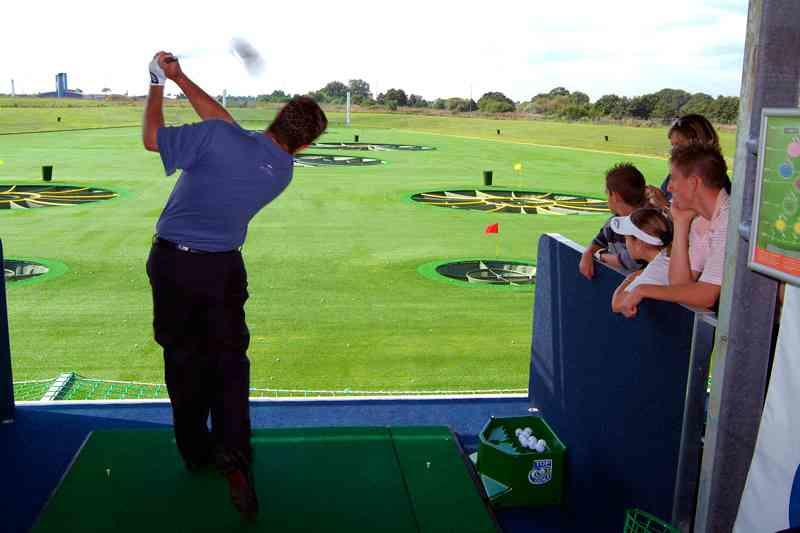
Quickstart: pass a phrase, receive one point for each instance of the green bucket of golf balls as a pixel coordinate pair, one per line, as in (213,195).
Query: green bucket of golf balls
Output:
(525,455)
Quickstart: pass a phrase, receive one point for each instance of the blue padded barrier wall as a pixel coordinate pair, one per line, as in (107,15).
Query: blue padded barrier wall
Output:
(612,388)
(6,383)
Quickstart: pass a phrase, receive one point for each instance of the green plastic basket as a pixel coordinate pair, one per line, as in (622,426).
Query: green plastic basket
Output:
(638,521)
(533,478)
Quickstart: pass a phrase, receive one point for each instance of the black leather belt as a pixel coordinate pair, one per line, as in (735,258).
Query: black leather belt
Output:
(159,241)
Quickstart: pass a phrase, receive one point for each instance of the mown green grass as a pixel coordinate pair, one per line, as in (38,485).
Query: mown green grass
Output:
(336,301)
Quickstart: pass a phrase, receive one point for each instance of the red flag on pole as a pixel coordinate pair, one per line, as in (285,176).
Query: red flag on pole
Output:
(492,228)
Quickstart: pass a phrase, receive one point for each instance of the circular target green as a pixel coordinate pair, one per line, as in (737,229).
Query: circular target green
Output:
(321,160)
(371,146)
(34,196)
(18,272)
(513,201)
(501,273)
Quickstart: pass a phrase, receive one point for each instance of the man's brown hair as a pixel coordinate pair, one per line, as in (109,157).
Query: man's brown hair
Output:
(626,180)
(704,160)
(298,123)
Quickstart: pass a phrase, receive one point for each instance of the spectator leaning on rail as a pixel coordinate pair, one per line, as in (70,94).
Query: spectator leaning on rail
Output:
(699,177)
(648,236)
(625,187)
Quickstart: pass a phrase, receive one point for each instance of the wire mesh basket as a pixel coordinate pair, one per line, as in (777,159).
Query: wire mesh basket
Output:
(638,521)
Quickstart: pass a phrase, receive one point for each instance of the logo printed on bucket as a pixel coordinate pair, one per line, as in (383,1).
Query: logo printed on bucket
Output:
(541,472)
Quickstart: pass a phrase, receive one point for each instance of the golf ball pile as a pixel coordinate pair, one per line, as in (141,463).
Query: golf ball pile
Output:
(528,440)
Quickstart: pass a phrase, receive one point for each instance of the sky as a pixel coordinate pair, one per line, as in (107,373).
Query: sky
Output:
(437,49)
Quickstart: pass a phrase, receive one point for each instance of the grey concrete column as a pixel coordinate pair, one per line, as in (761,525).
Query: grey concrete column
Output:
(771,78)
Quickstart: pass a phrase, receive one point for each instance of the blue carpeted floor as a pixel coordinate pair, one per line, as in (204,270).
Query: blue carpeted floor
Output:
(36,450)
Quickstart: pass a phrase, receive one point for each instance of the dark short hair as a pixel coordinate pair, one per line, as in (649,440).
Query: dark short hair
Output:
(654,222)
(626,180)
(704,160)
(298,123)
(694,127)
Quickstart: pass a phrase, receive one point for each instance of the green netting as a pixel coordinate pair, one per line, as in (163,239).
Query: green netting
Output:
(26,391)
(81,388)
(84,388)
(256,392)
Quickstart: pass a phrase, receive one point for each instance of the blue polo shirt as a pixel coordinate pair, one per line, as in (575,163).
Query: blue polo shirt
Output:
(228,175)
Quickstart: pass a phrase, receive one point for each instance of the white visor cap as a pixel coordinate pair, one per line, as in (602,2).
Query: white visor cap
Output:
(625,226)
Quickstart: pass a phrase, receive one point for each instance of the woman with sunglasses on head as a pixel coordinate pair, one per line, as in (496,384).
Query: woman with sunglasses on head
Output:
(690,128)
(686,129)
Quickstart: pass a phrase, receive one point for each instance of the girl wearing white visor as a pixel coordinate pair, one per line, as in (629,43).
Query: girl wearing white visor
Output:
(648,235)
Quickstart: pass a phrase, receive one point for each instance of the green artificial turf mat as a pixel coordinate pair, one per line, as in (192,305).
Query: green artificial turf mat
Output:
(309,479)
(436,477)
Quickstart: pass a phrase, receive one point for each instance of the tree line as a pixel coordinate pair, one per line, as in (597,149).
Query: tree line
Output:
(665,104)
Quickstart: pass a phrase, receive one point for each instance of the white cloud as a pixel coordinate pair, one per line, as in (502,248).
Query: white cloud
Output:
(437,49)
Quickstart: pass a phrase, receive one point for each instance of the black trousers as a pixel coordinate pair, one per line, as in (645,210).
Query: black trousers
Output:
(198,319)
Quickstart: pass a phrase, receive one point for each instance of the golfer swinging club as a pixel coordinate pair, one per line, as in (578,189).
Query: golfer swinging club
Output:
(196,270)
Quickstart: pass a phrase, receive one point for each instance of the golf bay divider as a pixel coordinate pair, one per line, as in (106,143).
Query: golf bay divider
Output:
(624,395)
(6,382)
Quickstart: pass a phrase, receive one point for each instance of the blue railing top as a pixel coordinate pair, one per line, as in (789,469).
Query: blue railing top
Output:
(709,317)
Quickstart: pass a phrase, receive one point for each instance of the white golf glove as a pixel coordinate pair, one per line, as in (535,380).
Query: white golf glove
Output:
(157,76)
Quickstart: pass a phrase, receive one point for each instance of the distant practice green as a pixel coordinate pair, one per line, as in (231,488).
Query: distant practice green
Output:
(337,300)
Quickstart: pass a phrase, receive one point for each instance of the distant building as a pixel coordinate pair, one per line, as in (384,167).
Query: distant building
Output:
(61,84)
(67,94)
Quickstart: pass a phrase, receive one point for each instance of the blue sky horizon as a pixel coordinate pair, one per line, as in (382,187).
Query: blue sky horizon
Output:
(437,50)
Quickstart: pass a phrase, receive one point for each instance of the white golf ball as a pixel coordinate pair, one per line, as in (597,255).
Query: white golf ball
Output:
(529,431)
(517,432)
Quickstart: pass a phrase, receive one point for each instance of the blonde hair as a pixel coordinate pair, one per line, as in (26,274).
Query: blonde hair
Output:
(695,127)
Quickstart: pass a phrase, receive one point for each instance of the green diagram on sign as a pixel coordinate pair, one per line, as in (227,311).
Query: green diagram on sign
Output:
(779,207)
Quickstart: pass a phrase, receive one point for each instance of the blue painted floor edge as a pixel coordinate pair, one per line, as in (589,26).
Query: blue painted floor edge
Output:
(37,448)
